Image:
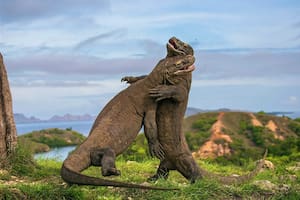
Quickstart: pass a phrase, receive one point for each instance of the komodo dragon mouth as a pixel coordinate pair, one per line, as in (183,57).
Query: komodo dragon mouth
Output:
(185,70)
(177,47)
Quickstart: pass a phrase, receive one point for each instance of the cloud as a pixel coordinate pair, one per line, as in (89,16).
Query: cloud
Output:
(152,48)
(19,10)
(255,64)
(270,66)
(102,36)
(78,65)
(297,24)
(292,100)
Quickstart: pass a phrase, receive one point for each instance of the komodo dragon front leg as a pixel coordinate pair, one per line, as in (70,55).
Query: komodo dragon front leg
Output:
(150,127)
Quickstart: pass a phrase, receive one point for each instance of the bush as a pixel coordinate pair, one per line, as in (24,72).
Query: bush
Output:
(22,161)
(295,127)
(138,150)
(261,112)
(260,136)
(241,155)
(286,147)
(202,132)
(204,124)
(195,140)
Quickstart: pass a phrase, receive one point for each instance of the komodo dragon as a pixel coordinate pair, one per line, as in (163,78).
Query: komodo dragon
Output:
(172,102)
(118,124)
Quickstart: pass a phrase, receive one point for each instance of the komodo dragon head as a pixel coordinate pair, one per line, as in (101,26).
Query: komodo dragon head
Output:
(169,70)
(177,47)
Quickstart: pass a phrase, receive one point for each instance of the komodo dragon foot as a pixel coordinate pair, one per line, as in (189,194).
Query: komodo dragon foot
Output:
(105,157)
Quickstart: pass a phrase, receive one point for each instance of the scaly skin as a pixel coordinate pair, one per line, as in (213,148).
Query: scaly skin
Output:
(172,102)
(117,126)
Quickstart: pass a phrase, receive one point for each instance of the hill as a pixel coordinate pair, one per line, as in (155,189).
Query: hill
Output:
(43,140)
(240,134)
(21,118)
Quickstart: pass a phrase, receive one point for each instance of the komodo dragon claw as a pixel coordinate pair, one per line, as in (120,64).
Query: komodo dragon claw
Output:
(156,150)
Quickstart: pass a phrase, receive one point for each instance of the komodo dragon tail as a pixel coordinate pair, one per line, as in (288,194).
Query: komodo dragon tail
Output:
(239,179)
(73,177)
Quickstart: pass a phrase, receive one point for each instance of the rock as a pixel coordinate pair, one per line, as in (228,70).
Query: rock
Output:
(146,184)
(266,185)
(284,188)
(288,177)
(268,165)
(294,168)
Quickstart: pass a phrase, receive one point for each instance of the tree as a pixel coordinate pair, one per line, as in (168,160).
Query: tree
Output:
(8,132)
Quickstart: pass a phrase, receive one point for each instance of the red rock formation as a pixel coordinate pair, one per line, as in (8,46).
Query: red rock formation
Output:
(218,143)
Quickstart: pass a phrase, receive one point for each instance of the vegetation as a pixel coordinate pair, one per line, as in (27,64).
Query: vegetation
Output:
(39,179)
(200,132)
(42,181)
(295,126)
(138,150)
(43,140)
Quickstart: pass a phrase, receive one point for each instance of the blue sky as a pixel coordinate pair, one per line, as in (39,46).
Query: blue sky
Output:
(69,56)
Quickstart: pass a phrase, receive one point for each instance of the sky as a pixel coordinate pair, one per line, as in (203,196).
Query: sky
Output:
(69,56)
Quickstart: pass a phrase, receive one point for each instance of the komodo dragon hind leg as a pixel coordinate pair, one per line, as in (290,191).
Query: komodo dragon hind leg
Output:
(105,157)
(163,170)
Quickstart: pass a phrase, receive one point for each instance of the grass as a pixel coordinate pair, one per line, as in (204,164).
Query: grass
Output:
(47,184)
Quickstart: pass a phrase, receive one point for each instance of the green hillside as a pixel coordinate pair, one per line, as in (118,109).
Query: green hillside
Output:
(240,136)
(43,140)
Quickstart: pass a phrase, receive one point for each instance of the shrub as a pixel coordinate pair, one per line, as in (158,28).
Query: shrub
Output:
(295,126)
(204,124)
(22,161)
(261,112)
(195,140)
(286,147)
(138,150)
(202,132)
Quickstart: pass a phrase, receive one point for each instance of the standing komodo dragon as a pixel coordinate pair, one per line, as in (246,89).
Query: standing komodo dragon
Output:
(118,124)
(172,102)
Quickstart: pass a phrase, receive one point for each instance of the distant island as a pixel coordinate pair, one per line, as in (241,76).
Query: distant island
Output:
(21,118)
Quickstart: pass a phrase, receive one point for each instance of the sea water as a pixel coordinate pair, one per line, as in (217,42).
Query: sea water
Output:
(82,127)
(61,153)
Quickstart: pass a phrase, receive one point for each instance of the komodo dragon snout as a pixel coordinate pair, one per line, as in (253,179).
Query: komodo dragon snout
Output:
(174,69)
(178,47)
